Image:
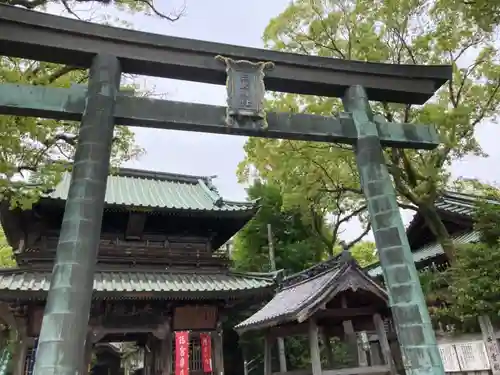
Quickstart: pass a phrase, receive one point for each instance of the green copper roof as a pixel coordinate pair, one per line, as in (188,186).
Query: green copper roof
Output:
(429,251)
(145,189)
(161,283)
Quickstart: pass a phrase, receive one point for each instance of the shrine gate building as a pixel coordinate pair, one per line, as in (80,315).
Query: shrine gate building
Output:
(161,268)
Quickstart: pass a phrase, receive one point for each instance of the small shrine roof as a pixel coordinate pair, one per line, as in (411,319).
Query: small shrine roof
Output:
(302,294)
(183,284)
(157,190)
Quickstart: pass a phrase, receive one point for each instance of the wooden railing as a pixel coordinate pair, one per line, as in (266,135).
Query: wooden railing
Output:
(153,249)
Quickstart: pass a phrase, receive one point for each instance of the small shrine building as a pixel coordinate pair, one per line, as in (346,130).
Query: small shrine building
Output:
(331,303)
(160,269)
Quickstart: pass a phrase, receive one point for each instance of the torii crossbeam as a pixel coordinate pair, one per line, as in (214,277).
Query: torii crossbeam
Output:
(109,51)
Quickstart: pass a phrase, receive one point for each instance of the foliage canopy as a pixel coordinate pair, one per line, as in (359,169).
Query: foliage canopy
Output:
(398,32)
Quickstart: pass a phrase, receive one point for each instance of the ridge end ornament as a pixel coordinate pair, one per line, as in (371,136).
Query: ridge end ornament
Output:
(245,91)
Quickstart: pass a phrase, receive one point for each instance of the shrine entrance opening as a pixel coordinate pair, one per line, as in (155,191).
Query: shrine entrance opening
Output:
(109,52)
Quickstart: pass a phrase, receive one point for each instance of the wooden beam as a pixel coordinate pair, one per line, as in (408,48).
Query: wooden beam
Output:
(44,37)
(289,330)
(68,104)
(346,313)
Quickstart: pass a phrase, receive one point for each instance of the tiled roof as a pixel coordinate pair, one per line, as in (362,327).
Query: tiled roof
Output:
(145,189)
(429,251)
(165,283)
(301,297)
(457,203)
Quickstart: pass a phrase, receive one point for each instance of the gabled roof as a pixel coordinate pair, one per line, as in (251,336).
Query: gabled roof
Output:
(149,284)
(157,190)
(302,294)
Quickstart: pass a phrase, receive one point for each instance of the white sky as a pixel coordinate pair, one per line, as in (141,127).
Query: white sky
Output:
(241,23)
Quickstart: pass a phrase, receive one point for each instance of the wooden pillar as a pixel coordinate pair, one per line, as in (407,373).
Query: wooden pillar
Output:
(350,334)
(314,348)
(218,350)
(268,370)
(148,357)
(272,261)
(490,343)
(167,353)
(384,343)
(281,353)
(87,358)
(325,339)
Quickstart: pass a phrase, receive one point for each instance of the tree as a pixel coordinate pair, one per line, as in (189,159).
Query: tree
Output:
(44,147)
(296,244)
(308,180)
(485,12)
(6,255)
(475,284)
(470,287)
(365,253)
(145,6)
(398,32)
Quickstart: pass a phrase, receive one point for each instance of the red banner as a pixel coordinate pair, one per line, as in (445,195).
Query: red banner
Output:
(206,352)
(182,353)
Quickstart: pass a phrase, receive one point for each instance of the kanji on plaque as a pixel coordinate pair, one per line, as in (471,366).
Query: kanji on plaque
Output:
(206,352)
(182,353)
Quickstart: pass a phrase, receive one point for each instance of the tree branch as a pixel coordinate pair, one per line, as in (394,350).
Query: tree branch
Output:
(32,4)
(406,206)
(28,4)
(343,189)
(360,237)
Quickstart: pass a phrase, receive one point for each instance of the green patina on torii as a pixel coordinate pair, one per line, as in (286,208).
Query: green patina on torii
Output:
(110,51)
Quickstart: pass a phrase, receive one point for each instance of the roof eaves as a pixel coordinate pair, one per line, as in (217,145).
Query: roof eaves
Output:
(263,324)
(216,198)
(301,312)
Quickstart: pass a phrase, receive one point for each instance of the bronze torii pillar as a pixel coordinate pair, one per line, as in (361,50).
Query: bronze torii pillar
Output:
(61,346)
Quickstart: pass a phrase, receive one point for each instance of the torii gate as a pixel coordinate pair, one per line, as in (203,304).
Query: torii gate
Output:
(109,51)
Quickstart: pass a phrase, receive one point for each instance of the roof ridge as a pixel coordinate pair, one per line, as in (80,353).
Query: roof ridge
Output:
(313,272)
(258,275)
(158,175)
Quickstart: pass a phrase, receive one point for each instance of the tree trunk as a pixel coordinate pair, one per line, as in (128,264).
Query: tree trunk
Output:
(435,224)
